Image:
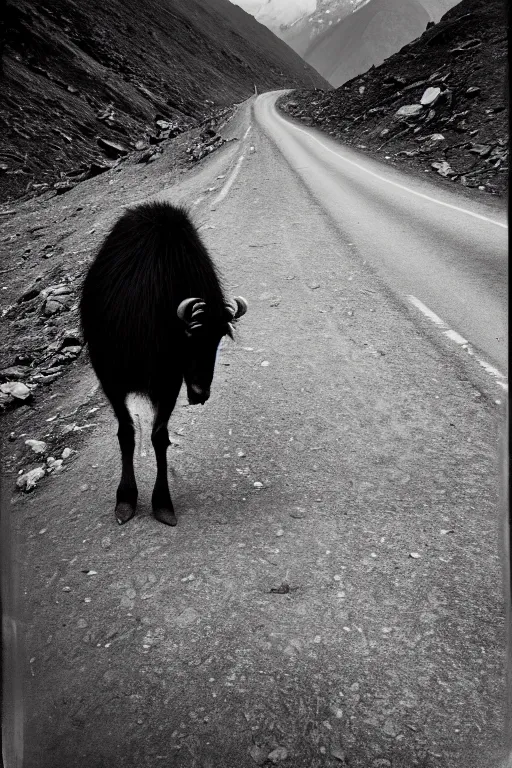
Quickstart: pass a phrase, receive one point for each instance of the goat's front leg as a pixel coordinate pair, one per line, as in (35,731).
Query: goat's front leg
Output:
(163,509)
(127,491)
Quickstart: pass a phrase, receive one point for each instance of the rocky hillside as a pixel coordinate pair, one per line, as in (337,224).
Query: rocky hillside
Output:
(84,83)
(439,105)
(366,38)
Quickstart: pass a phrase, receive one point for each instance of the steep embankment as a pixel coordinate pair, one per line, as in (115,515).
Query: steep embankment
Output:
(75,73)
(366,38)
(437,106)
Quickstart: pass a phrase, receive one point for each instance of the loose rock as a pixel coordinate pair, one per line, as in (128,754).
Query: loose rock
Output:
(112,148)
(430,96)
(409,110)
(258,754)
(277,755)
(16,389)
(443,168)
(28,481)
(38,446)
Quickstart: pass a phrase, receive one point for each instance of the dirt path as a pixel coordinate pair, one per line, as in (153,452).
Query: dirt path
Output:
(346,609)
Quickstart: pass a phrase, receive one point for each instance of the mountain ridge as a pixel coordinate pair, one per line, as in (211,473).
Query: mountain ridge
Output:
(366,38)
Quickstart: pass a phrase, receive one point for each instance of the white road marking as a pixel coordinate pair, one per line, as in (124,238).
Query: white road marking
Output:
(393,183)
(456,337)
(247,131)
(501,380)
(426,311)
(229,183)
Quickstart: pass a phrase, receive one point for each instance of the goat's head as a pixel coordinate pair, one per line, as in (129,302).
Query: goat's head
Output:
(202,338)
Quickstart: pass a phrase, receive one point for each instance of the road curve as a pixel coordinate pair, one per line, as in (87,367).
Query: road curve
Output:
(448,252)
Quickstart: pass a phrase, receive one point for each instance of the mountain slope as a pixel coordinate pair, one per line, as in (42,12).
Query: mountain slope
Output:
(300,22)
(275,13)
(366,38)
(74,72)
(303,32)
(460,133)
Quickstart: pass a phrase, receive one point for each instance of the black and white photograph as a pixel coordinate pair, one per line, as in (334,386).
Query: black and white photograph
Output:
(254,445)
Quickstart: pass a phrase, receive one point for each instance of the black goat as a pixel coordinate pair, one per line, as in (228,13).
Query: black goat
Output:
(146,331)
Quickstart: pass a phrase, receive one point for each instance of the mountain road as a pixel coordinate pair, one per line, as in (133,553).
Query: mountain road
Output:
(449,252)
(332,592)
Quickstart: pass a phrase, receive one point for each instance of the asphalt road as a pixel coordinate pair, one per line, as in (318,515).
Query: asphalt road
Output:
(449,252)
(332,594)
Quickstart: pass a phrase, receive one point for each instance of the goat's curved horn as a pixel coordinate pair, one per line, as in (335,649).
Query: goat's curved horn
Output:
(185,304)
(231,308)
(241,306)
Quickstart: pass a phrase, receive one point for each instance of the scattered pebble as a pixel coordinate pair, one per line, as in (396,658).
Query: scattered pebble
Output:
(280,532)
(265,364)
(277,755)
(66,453)
(257,484)
(414,555)
(187,617)
(54,465)
(338,753)
(258,754)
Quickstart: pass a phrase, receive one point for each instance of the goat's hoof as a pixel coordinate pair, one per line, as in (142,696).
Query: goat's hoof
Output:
(165,516)
(124,512)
